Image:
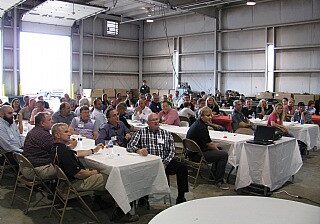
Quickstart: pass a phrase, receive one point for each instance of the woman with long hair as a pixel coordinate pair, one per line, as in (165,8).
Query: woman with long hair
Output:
(15,104)
(212,104)
(276,119)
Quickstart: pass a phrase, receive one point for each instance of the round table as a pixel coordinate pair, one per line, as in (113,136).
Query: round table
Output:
(239,210)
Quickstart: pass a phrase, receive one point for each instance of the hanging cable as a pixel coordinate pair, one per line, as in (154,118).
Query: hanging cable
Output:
(296,196)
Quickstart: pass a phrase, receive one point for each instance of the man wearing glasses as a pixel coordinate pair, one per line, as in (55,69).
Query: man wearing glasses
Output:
(156,141)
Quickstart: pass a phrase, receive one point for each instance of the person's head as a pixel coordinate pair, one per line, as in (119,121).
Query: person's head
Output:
(291,103)
(285,101)
(237,105)
(121,108)
(104,97)
(205,114)
(164,98)
(210,101)
(148,96)
(40,105)
(201,103)
(85,113)
(32,103)
(43,119)
(65,109)
(129,95)
(62,99)
(155,98)
(278,109)
(301,107)
(119,96)
(84,102)
(262,103)
(61,133)
(249,103)
(26,100)
(15,104)
(113,103)
(97,103)
(6,112)
(142,103)
(40,98)
(311,104)
(144,82)
(186,98)
(153,122)
(186,104)
(202,93)
(170,96)
(66,96)
(177,93)
(112,116)
(78,96)
(165,106)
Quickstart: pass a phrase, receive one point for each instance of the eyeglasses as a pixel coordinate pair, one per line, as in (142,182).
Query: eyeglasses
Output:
(154,120)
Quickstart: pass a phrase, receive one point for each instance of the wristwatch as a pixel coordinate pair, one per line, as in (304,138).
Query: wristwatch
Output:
(92,151)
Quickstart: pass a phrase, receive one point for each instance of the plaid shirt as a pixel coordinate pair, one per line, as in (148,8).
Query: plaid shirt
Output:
(159,143)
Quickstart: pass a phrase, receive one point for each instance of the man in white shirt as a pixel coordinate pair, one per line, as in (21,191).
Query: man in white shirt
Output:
(40,107)
(141,112)
(11,139)
(97,113)
(186,111)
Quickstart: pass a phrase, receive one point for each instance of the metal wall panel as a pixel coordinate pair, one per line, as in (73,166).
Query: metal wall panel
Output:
(298,83)
(296,10)
(246,83)
(243,39)
(111,64)
(302,59)
(157,65)
(159,82)
(199,82)
(197,43)
(197,63)
(112,81)
(243,61)
(237,17)
(158,47)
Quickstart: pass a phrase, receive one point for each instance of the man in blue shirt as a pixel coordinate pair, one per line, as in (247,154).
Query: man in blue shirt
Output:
(114,128)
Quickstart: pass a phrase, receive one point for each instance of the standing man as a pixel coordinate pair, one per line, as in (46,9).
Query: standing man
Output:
(114,128)
(144,89)
(156,141)
(199,133)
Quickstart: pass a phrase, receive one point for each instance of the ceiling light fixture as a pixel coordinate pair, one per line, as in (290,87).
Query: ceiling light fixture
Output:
(251,2)
(149,20)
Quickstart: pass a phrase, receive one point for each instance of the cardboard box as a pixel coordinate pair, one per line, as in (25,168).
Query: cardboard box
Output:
(302,98)
(163,92)
(280,95)
(135,93)
(264,95)
(110,92)
(122,91)
(87,92)
(96,93)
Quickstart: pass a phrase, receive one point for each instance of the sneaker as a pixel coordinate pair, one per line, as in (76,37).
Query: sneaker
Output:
(180,200)
(222,186)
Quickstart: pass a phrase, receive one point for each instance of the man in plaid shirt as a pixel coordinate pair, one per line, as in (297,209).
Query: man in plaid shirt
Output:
(159,142)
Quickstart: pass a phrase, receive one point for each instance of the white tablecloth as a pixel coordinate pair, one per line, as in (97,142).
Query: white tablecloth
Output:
(226,110)
(307,133)
(130,176)
(239,210)
(268,165)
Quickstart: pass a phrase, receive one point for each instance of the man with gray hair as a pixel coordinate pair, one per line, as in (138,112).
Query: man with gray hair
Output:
(239,120)
(64,115)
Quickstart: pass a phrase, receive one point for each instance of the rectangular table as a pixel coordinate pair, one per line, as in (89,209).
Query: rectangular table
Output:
(307,133)
(131,176)
(268,165)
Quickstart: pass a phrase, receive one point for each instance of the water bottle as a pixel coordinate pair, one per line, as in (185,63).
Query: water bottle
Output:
(301,120)
(110,144)
(253,115)
(80,141)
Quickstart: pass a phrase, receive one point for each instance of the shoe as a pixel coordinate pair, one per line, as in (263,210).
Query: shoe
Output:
(222,186)
(118,216)
(180,200)
(144,202)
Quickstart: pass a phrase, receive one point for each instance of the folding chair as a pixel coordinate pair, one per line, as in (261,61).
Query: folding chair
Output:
(37,182)
(64,192)
(192,147)
(183,118)
(178,146)
(6,164)
(184,124)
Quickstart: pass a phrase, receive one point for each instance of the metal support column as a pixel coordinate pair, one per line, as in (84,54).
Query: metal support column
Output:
(15,53)
(219,42)
(141,30)
(93,52)
(81,58)
(215,58)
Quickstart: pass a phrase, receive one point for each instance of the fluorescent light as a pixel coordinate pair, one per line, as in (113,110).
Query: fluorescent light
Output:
(251,2)
(149,20)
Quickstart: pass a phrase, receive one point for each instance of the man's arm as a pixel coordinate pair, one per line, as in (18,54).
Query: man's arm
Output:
(172,116)
(6,145)
(171,150)
(102,135)
(134,145)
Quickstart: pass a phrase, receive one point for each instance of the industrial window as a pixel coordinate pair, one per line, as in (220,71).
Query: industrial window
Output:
(112,28)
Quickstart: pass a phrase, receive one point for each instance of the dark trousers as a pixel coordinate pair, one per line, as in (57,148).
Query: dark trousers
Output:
(10,157)
(181,171)
(219,158)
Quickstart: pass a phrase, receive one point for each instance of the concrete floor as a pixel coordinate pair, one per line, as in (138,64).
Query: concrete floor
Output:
(306,185)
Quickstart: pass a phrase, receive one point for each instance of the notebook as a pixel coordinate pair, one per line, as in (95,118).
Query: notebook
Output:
(263,135)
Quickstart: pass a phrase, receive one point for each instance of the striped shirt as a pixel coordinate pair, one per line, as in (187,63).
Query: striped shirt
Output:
(159,143)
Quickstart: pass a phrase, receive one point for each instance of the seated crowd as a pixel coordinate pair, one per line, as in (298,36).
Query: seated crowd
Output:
(46,144)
